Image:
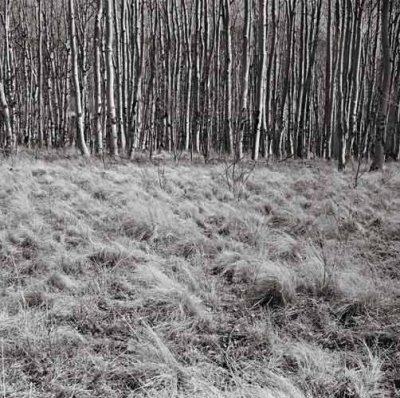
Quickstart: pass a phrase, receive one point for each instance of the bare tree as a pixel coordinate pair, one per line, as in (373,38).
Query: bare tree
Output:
(75,75)
(111,111)
(245,72)
(9,138)
(384,88)
(260,89)
(97,79)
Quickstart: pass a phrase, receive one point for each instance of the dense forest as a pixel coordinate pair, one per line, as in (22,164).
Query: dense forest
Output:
(264,78)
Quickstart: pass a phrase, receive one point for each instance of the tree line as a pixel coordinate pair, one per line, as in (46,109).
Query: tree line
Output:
(259,78)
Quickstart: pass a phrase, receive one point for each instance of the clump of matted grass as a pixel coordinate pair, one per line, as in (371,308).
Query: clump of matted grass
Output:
(126,280)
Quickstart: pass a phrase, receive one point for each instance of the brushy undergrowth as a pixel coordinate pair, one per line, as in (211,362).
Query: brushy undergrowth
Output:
(141,280)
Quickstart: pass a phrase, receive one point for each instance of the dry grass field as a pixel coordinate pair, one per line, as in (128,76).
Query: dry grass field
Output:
(177,280)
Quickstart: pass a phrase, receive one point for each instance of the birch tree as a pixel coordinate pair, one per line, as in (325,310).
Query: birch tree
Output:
(77,88)
(384,86)
(111,111)
(260,89)
(97,80)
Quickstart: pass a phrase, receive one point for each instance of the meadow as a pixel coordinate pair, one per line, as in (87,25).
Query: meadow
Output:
(160,279)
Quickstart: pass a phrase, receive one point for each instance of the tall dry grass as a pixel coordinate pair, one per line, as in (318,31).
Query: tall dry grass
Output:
(129,280)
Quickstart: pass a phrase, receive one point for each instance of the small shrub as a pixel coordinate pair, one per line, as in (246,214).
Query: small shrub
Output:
(237,173)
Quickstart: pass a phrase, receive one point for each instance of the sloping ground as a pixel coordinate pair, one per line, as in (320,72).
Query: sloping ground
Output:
(153,281)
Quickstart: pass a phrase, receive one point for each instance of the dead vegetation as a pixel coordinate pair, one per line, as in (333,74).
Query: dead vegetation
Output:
(138,281)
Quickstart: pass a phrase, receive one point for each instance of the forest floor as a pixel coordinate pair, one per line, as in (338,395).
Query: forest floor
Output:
(178,280)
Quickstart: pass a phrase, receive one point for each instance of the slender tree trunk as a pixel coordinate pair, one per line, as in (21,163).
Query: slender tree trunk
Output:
(97,81)
(340,150)
(384,88)
(75,75)
(281,123)
(111,112)
(328,83)
(9,141)
(189,75)
(260,89)
(270,89)
(119,80)
(245,72)
(40,74)
(196,81)
(226,18)
(136,106)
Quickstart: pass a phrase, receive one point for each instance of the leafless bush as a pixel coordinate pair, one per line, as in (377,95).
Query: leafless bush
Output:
(237,174)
